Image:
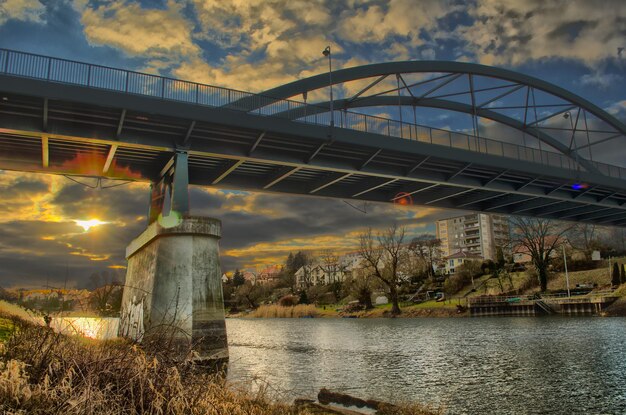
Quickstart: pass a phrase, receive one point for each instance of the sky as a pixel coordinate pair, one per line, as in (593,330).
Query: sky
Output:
(255,45)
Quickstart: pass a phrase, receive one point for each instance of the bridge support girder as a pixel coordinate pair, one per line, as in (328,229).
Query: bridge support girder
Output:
(173,184)
(173,291)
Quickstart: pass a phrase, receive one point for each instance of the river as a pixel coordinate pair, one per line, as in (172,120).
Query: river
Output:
(467,365)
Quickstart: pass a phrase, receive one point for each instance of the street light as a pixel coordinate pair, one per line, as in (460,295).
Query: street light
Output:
(326,52)
(578,185)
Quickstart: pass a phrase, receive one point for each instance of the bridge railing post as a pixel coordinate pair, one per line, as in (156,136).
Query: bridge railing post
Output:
(6,61)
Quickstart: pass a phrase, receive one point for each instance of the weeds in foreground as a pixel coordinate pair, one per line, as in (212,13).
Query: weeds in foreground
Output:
(43,372)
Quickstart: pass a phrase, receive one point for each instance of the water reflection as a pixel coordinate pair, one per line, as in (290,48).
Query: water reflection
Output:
(487,365)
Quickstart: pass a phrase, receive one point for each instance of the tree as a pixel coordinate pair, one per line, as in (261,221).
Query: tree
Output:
(106,297)
(465,273)
(304,299)
(538,237)
(297,261)
(336,287)
(7,295)
(382,256)
(238,278)
(360,286)
(622,277)
(428,249)
(249,294)
(330,265)
(584,237)
(499,257)
(615,277)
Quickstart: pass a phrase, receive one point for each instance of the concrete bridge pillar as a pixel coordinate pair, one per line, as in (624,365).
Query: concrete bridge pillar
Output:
(173,290)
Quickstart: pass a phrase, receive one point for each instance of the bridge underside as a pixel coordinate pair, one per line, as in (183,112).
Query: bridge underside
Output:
(64,129)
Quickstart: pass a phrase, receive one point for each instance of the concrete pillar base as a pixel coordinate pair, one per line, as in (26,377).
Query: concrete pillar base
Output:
(173,292)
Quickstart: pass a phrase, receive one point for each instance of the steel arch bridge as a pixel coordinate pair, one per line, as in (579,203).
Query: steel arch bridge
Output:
(65,117)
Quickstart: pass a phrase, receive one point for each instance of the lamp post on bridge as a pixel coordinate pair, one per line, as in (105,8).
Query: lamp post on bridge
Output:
(578,185)
(326,52)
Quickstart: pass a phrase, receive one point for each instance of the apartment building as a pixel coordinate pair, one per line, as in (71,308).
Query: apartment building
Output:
(476,233)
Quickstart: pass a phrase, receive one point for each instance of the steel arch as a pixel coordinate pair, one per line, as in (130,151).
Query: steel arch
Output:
(389,68)
(462,68)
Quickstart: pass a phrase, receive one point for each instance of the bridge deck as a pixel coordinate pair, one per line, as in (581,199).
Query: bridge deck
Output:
(129,128)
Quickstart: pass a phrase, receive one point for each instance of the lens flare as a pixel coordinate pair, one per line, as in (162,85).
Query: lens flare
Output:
(403,199)
(88,224)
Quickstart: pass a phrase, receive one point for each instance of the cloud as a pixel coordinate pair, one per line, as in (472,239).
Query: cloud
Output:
(511,32)
(25,10)
(160,34)
(602,80)
(618,109)
(402,18)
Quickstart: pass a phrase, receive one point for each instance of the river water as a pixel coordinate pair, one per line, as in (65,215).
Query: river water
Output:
(467,365)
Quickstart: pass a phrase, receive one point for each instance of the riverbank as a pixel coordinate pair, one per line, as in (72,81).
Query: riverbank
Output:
(45,372)
(486,285)
(426,309)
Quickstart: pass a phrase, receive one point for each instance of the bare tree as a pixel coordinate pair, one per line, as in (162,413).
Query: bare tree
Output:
(584,237)
(382,255)
(249,294)
(360,284)
(428,249)
(306,275)
(106,297)
(331,266)
(539,238)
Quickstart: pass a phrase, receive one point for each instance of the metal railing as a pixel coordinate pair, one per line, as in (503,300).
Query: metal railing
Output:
(494,299)
(65,71)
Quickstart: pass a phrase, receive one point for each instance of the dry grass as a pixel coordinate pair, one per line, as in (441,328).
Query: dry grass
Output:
(17,311)
(46,373)
(598,276)
(42,372)
(277,311)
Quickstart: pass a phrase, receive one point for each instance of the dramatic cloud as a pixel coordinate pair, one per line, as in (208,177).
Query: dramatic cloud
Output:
(163,35)
(512,32)
(25,10)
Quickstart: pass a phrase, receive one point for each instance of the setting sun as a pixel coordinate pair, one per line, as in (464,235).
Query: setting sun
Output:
(88,224)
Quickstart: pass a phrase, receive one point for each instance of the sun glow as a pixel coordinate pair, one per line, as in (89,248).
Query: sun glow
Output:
(88,224)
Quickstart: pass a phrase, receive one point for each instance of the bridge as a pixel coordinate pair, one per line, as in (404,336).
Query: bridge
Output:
(73,118)
(67,117)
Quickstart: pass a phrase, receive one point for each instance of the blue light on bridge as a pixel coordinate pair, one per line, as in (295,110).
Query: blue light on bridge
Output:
(579,186)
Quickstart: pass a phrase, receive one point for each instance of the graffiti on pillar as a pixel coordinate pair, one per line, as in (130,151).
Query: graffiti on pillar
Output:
(131,324)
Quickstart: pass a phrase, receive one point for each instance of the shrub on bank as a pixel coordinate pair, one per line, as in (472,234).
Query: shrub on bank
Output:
(288,301)
(277,311)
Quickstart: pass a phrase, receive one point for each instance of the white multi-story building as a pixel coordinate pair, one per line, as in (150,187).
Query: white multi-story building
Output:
(476,233)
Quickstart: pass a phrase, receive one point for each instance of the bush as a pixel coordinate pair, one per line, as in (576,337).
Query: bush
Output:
(488,266)
(453,284)
(615,276)
(275,311)
(531,281)
(288,301)
(304,299)
(573,264)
